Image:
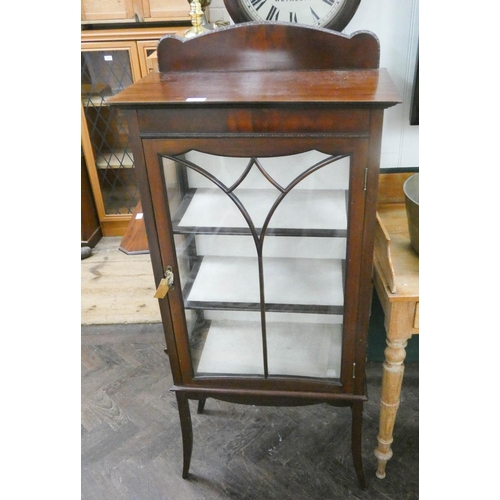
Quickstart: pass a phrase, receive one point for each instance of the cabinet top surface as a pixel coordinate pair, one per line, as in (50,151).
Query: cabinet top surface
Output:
(266,63)
(370,88)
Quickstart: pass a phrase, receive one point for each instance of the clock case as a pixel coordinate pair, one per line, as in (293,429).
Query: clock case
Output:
(263,90)
(239,14)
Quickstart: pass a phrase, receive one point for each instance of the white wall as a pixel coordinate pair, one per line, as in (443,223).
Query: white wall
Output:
(395,22)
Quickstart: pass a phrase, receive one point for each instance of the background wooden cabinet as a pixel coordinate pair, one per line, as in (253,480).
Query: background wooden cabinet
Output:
(90,227)
(170,9)
(134,10)
(111,60)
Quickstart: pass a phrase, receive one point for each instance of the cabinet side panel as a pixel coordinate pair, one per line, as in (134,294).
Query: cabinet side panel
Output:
(359,163)
(366,288)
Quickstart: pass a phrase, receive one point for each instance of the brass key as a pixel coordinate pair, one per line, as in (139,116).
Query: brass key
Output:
(166,284)
(162,289)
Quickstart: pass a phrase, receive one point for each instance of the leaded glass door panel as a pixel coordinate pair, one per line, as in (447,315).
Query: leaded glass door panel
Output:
(261,250)
(105,71)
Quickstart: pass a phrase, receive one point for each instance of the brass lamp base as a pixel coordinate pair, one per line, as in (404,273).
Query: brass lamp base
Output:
(197,13)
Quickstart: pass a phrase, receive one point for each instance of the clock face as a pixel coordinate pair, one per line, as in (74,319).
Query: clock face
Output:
(333,14)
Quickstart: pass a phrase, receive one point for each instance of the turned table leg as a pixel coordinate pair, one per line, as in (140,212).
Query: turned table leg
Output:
(392,379)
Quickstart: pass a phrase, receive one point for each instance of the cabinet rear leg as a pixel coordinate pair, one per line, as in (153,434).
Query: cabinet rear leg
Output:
(187,431)
(201,405)
(356,439)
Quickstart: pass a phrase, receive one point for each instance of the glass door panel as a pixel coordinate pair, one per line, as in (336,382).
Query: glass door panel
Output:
(304,279)
(105,73)
(215,254)
(148,59)
(261,246)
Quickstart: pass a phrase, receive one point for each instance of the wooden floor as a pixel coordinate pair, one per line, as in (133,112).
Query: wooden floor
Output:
(117,288)
(131,444)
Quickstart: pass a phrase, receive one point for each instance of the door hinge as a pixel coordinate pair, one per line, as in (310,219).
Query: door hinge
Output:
(354,370)
(366,179)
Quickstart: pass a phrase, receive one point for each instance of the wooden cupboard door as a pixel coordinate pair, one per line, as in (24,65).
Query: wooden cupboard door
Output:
(135,10)
(172,9)
(100,10)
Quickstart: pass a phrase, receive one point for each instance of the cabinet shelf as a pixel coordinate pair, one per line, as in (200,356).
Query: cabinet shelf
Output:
(118,158)
(211,211)
(313,286)
(95,101)
(95,94)
(235,348)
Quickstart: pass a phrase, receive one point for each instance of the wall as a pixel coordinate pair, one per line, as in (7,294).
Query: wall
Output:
(395,22)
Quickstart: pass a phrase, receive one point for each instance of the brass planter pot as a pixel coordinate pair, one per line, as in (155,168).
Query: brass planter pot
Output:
(411,191)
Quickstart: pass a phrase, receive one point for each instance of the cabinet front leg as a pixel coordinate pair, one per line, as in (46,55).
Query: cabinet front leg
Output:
(392,379)
(187,431)
(356,441)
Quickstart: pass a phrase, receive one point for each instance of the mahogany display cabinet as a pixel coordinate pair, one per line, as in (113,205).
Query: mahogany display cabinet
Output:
(257,152)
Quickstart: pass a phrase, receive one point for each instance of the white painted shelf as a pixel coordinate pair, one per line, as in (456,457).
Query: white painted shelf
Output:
(235,348)
(211,210)
(297,285)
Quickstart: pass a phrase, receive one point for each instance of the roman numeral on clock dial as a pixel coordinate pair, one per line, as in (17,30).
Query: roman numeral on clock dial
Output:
(332,14)
(314,14)
(273,14)
(258,3)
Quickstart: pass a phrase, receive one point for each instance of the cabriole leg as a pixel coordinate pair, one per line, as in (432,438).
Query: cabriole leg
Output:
(187,431)
(201,405)
(356,439)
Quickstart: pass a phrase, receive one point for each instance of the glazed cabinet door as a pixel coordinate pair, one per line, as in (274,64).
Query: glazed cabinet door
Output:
(106,69)
(257,249)
(147,55)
